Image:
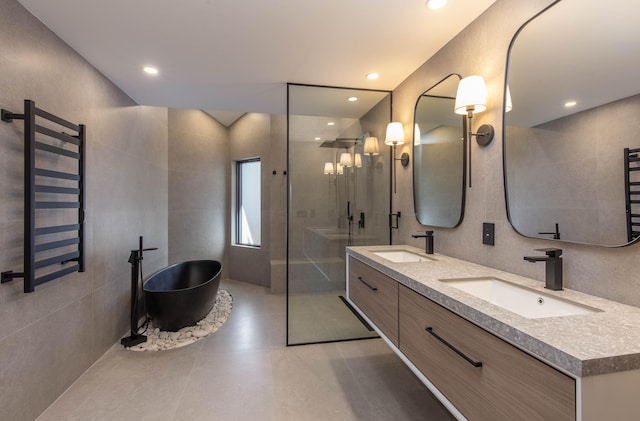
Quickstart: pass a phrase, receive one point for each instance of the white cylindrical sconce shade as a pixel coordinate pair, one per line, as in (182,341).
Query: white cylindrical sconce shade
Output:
(328,167)
(417,137)
(371,146)
(395,134)
(471,95)
(357,160)
(345,159)
(339,169)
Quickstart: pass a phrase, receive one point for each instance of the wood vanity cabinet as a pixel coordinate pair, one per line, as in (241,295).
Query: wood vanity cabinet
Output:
(505,383)
(376,295)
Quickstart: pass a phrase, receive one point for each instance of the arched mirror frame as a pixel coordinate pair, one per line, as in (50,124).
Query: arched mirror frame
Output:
(507,100)
(463,165)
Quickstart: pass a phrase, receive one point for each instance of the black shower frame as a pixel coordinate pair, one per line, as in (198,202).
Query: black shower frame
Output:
(288,172)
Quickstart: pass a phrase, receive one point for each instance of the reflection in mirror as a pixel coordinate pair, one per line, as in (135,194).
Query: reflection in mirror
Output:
(574,81)
(339,195)
(439,155)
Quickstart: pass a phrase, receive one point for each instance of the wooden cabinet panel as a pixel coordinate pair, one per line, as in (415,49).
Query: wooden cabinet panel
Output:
(509,385)
(376,295)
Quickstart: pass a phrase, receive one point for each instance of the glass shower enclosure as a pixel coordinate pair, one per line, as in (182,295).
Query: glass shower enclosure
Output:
(338,196)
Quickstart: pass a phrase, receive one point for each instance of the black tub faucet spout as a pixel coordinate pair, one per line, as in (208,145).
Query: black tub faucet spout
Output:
(553,268)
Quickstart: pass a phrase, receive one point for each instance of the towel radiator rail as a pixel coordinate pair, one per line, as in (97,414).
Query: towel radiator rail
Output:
(632,191)
(48,247)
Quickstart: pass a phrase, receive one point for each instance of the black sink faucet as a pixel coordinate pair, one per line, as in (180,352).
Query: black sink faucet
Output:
(428,236)
(553,262)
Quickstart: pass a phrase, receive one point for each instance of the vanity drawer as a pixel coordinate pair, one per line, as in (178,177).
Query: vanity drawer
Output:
(376,295)
(509,385)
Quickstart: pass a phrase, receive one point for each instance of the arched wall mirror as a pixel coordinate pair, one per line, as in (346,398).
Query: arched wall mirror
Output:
(439,156)
(571,141)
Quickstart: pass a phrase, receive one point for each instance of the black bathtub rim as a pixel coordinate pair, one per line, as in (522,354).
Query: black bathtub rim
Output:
(213,278)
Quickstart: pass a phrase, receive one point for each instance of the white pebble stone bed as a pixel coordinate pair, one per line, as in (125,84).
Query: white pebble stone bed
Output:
(159,340)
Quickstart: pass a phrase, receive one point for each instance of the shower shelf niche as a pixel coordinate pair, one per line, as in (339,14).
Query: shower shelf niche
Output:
(53,196)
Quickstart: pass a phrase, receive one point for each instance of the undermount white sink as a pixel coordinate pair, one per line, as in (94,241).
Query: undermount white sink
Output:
(521,300)
(401,256)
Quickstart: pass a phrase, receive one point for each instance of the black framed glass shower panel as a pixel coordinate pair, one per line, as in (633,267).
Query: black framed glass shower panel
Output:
(337,197)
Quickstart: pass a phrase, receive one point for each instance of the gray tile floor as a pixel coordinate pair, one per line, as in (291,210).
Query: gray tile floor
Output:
(322,317)
(245,372)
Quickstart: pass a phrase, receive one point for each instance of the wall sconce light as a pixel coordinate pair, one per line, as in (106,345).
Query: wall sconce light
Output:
(339,169)
(395,134)
(357,160)
(471,98)
(371,147)
(345,159)
(328,170)
(395,137)
(417,137)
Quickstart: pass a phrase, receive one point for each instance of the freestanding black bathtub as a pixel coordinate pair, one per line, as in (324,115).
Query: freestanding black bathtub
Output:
(182,294)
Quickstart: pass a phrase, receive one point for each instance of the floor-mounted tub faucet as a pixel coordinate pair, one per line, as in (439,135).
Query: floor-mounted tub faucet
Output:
(428,236)
(553,262)
(135,258)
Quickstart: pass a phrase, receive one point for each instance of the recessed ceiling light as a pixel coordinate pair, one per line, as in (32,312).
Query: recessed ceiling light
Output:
(150,70)
(317,138)
(331,123)
(436,4)
(372,76)
(353,99)
(570,104)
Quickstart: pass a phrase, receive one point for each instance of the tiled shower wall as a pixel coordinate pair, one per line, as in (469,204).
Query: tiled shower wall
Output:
(51,336)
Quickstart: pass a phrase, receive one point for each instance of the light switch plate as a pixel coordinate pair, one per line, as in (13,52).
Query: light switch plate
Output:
(488,229)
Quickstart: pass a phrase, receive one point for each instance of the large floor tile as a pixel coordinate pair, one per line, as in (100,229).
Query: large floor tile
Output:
(244,371)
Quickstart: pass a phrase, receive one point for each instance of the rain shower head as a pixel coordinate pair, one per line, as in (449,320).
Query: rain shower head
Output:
(339,143)
(344,142)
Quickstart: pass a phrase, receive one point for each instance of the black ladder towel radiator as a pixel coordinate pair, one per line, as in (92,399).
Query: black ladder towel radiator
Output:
(632,191)
(53,196)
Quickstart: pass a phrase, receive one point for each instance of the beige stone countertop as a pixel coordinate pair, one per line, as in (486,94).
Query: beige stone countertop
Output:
(583,345)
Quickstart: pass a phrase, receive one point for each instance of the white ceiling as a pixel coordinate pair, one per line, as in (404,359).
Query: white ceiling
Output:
(237,56)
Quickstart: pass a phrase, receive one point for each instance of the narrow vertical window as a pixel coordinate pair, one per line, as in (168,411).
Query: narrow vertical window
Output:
(248,202)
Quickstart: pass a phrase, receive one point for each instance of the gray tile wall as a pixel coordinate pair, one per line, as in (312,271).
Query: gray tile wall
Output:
(278,203)
(49,337)
(201,151)
(199,171)
(250,137)
(482,49)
